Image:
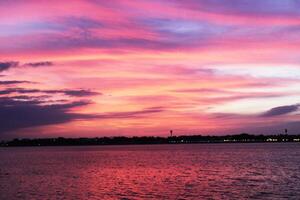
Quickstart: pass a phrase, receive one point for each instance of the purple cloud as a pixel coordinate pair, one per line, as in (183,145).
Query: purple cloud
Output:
(16,114)
(74,93)
(39,64)
(281,110)
(13,82)
(7,65)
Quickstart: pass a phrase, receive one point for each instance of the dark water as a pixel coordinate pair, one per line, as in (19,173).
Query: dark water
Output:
(214,171)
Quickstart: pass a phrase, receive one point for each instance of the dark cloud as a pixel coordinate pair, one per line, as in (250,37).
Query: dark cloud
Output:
(20,112)
(74,93)
(18,90)
(13,82)
(5,92)
(281,110)
(7,65)
(39,64)
(17,114)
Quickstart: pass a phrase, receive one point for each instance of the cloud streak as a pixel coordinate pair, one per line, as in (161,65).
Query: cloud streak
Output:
(13,82)
(12,64)
(74,93)
(39,64)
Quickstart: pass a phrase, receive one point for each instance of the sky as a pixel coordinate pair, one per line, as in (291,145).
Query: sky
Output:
(98,68)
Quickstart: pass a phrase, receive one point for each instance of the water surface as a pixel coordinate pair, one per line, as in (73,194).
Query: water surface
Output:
(194,171)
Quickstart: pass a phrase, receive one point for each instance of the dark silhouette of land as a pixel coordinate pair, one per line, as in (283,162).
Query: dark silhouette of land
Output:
(188,139)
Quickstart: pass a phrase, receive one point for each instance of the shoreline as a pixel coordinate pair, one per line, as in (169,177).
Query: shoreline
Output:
(106,145)
(151,140)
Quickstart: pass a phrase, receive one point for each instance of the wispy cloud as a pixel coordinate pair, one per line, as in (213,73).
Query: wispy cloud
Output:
(75,93)
(39,64)
(12,64)
(13,82)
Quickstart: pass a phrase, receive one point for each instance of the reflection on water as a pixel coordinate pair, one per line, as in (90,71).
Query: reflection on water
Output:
(200,171)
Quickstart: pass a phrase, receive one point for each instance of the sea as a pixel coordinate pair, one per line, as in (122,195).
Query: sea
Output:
(178,171)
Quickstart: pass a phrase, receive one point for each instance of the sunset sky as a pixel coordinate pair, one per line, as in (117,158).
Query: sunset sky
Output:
(143,67)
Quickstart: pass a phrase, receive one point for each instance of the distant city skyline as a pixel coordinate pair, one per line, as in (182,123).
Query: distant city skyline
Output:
(142,68)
